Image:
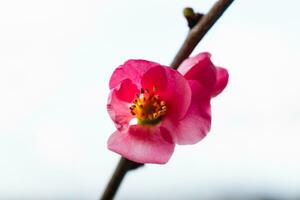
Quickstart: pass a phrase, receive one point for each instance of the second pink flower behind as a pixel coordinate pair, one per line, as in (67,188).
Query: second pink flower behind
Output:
(155,107)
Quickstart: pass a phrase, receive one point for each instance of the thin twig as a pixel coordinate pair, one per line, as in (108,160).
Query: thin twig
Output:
(199,31)
(193,38)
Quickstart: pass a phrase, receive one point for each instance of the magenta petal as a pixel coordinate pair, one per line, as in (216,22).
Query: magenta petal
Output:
(143,144)
(131,69)
(127,91)
(155,77)
(222,80)
(172,87)
(197,121)
(199,68)
(119,101)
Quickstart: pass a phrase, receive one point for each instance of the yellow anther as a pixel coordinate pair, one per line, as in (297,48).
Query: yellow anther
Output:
(147,107)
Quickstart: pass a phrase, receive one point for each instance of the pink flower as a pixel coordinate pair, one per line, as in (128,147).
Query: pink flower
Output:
(155,107)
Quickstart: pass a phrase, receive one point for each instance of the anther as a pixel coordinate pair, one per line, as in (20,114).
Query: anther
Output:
(147,106)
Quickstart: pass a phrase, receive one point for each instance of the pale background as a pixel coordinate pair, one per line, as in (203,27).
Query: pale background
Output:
(56,58)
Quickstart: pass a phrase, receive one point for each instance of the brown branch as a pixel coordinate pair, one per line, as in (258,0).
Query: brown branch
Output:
(199,31)
(200,28)
(122,168)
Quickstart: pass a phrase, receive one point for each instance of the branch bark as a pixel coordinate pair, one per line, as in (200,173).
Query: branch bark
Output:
(122,168)
(199,30)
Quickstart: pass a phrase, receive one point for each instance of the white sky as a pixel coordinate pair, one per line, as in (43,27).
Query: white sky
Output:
(56,58)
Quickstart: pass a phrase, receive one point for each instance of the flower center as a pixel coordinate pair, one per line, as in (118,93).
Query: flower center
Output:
(148,107)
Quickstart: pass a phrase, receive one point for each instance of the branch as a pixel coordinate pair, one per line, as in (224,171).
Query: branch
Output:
(200,26)
(123,167)
(199,31)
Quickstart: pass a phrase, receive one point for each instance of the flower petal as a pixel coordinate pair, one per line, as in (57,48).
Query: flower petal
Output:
(143,144)
(196,123)
(172,87)
(222,80)
(119,101)
(199,68)
(131,69)
(155,77)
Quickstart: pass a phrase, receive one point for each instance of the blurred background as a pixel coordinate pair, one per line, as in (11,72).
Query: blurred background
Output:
(56,58)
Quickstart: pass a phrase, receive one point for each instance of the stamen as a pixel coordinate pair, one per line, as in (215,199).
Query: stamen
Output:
(147,107)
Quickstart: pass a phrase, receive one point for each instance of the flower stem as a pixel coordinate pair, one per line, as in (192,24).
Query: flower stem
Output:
(193,38)
(122,168)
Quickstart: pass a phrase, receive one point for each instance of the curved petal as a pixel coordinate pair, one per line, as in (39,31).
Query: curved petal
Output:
(119,101)
(172,87)
(155,77)
(222,80)
(143,144)
(196,123)
(199,68)
(131,69)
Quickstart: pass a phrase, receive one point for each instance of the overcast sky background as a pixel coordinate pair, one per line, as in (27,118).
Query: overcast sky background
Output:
(56,58)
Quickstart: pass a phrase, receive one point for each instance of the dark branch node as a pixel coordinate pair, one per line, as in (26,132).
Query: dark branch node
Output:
(192,17)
